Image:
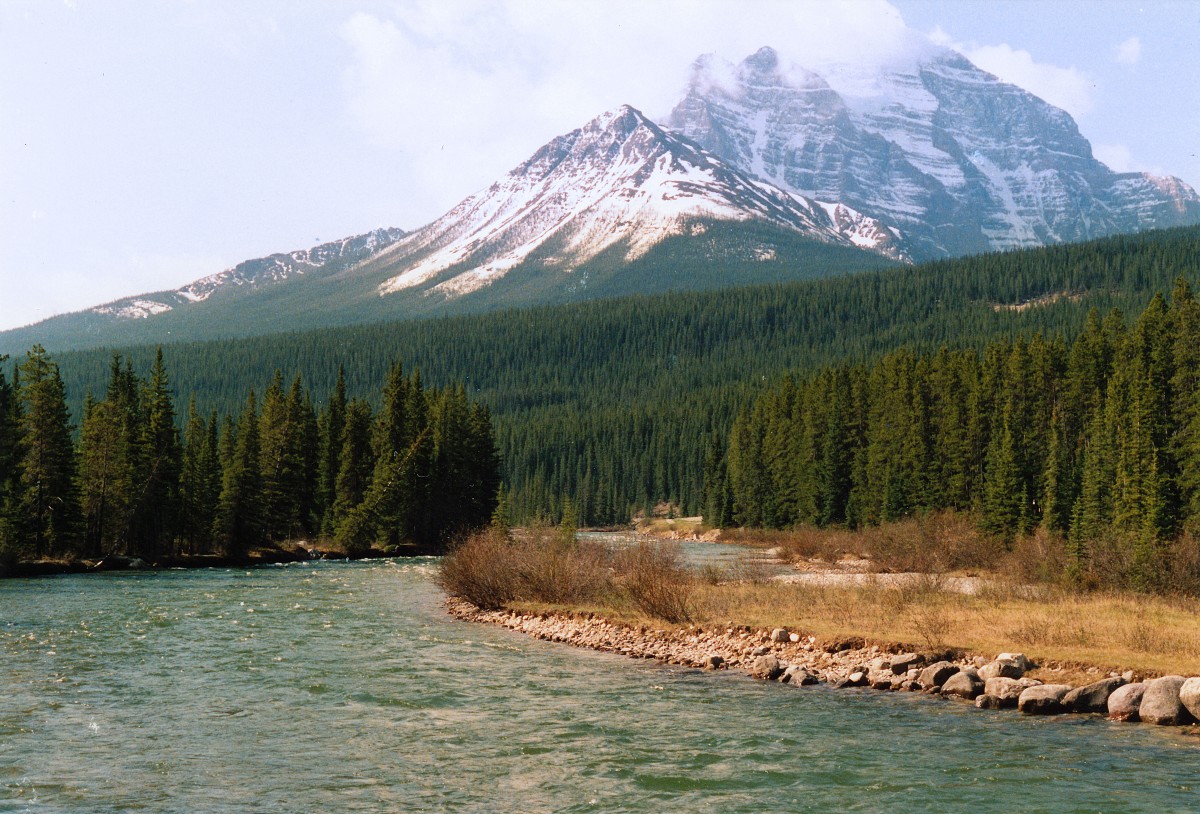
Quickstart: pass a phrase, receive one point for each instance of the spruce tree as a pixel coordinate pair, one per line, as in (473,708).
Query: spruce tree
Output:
(238,526)
(49,500)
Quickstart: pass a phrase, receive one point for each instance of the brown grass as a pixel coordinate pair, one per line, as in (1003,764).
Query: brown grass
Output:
(1110,631)
(1026,603)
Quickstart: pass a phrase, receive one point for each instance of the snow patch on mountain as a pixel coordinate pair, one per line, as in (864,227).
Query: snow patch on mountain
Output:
(619,181)
(262,271)
(957,160)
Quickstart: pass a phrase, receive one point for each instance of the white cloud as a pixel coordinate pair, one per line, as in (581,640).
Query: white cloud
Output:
(466,90)
(1130,51)
(1120,158)
(1117,156)
(1068,88)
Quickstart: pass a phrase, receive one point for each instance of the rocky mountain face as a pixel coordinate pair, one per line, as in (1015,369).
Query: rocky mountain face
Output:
(763,172)
(619,183)
(958,161)
(255,274)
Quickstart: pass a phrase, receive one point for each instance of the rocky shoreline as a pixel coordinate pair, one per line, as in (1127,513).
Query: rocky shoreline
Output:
(793,659)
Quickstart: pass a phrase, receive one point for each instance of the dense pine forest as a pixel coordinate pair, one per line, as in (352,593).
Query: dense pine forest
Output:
(132,482)
(617,404)
(1097,441)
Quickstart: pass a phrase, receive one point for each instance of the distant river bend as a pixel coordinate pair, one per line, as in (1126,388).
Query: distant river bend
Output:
(344,687)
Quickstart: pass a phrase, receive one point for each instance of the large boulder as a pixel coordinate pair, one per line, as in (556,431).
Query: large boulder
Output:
(768,667)
(1093,697)
(1008,690)
(1001,668)
(1124,702)
(1161,704)
(963,684)
(935,675)
(1044,699)
(1189,696)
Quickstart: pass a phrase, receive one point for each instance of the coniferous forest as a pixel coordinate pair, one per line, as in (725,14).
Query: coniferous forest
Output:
(136,479)
(1096,441)
(618,404)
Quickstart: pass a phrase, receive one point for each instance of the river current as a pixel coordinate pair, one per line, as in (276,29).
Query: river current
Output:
(344,687)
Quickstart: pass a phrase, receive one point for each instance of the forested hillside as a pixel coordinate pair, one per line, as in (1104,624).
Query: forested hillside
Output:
(617,403)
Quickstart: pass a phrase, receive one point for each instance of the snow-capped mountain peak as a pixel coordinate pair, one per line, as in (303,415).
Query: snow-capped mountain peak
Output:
(956,159)
(619,182)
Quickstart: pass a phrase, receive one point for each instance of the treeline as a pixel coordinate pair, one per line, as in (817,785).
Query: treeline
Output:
(616,403)
(419,468)
(1096,440)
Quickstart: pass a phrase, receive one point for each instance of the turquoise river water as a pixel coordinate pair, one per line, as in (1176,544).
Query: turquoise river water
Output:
(344,687)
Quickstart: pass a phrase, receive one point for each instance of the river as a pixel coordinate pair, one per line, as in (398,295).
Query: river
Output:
(344,687)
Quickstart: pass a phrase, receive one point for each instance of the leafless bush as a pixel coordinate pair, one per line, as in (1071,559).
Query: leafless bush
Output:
(935,542)
(491,569)
(560,570)
(1038,558)
(654,576)
(1183,561)
(482,570)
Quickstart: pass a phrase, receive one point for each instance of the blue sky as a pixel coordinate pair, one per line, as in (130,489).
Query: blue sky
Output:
(147,144)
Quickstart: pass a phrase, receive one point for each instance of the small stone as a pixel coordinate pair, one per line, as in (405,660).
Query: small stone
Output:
(903,662)
(986,701)
(1044,699)
(1020,658)
(793,637)
(767,667)
(780,635)
(761,650)
(857,679)
(1006,668)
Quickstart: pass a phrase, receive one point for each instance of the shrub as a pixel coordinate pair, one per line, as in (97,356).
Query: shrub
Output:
(490,568)
(482,570)
(654,576)
(556,568)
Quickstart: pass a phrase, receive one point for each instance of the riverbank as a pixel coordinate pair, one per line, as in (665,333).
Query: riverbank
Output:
(299,551)
(1005,681)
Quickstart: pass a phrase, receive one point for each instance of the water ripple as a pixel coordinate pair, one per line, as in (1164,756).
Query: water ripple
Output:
(345,687)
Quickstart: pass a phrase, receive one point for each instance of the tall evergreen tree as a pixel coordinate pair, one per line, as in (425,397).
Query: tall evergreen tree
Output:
(49,502)
(239,525)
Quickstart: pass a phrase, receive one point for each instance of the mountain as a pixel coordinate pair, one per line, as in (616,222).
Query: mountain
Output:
(255,274)
(956,160)
(619,184)
(615,207)
(157,316)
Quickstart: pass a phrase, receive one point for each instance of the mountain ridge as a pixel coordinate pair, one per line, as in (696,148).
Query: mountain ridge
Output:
(763,172)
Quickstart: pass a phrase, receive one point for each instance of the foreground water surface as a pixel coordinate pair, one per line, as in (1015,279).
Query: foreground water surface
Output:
(344,687)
